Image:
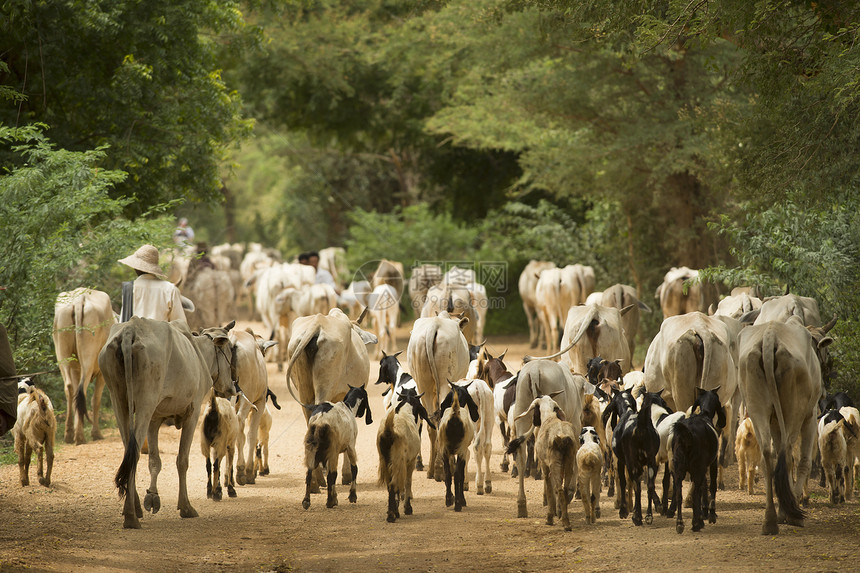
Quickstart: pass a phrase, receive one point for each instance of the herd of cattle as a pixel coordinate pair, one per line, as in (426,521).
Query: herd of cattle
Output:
(738,369)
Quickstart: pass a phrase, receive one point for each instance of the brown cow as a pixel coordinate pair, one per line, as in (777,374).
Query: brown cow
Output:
(156,370)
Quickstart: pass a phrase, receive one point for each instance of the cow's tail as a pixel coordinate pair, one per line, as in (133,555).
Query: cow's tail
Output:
(308,342)
(781,476)
(429,347)
(587,325)
(132,450)
(78,322)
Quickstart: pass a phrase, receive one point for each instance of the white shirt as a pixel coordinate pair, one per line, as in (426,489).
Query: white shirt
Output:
(157,299)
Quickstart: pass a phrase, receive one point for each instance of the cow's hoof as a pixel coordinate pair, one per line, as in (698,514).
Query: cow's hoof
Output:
(549,519)
(505,467)
(69,438)
(407,508)
(637,521)
(47,483)
(515,472)
(97,436)
(152,502)
(419,466)
(488,487)
(712,518)
(352,497)
(796,522)
(679,528)
(188,512)
(264,472)
(306,502)
(596,512)
(698,527)
(218,494)
(623,513)
(231,491)
(458,507)
(131,522)
(391,518)
(521,509)
(770,529)
(449,500)
(649,519)
(480,490)
(331,502)
(240,475)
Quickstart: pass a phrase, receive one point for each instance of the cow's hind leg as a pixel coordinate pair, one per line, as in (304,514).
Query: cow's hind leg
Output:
(152,501)
(99,386)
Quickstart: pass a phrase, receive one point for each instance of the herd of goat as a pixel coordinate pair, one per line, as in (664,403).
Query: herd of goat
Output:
(750,371)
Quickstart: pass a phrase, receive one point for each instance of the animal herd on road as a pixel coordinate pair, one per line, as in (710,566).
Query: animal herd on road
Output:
(739,370)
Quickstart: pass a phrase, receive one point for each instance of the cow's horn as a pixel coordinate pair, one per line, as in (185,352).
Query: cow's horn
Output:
(361,317)
(831,324)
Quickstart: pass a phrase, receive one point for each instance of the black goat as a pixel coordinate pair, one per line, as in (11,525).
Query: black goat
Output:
(635,443)
(619,404)
(694,450)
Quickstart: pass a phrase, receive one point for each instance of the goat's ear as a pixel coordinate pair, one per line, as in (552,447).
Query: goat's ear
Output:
(556,393)
(423,414)
(398,353)
(560,414)
(446,403)
(368,418)
(502,355)
(536,418)
(528,410)
(384,355)
(721,417)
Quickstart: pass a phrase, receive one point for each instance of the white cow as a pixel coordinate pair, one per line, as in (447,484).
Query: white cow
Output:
(384,307)
(527,286)
(437,352)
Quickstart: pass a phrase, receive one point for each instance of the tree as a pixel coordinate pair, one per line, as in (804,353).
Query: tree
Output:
(61,231)
(139,77)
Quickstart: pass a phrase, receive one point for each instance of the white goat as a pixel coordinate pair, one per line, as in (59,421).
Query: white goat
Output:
(219,432)
(834,452)
(332,430)
(748,453)
(852,441)
(556,446)
(589,465)
(34,429)
(455,434)
(483,442)
(399,443)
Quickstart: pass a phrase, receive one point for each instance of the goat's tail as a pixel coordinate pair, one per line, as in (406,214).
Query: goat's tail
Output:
(210,425)
(515,444)
(392,460)
(784,492)
(566,449)
(132,450)
(682,444)
(317,444)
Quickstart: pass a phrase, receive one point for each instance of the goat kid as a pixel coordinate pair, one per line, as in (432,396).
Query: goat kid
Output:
(399,444)
(695,451)
(833,445)
(456,432)
(556,446)
(261,452)
(748,453)
(589,465)
(635,444)
(34,429)
(219,432)
(332,430)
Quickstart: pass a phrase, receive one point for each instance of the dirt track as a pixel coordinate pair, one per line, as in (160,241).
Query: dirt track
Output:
(75,525)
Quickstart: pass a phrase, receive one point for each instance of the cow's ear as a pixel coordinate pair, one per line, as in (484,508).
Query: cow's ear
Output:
(627,309)
(825,342)
(230,325)
(463,322)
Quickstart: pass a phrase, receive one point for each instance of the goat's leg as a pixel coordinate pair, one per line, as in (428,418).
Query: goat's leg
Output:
(309,482)
(446,467)
(506,439)
(208,477)
(637,502)
(353,470)
(217,492)
(679,471)
(331,480)
(459,478)
(621,500)
(488,481)
(700,492)
(392,503)
(549,494)
(522,510)
(228,479)
(407,502)
(667,484)
(712,507)
(253,430)
(431,467)
(751,476)
(742,471)
(561,497)
(419,465)
(240,456)
(652,493)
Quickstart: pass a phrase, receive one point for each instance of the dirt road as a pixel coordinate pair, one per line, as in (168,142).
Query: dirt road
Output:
(75,525)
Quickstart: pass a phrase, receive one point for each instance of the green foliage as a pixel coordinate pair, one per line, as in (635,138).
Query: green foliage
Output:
(410,235)
(61,231)
(139,77)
